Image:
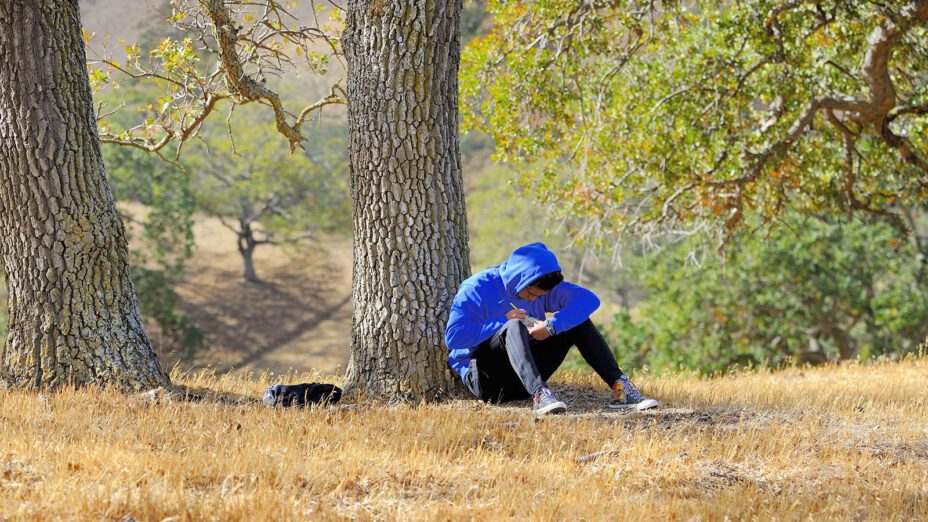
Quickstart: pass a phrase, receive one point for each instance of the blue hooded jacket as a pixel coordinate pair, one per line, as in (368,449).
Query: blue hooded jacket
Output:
(480,306)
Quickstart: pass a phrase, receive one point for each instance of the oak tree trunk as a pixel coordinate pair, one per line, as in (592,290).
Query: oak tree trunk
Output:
(248,260)
(246,247)
(73,313)
(410,229)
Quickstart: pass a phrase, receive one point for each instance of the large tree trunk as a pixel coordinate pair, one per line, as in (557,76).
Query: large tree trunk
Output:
(410,228)
(74,317)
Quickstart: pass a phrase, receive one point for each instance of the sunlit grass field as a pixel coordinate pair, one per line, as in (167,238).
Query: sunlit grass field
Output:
(836,442)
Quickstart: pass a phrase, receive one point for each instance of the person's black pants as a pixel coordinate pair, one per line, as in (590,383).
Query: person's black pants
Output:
(511,365)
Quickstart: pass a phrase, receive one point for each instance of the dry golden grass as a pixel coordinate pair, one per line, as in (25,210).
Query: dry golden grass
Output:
(848,442)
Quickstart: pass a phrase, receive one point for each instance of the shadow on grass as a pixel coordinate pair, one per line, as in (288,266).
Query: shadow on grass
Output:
(587,402)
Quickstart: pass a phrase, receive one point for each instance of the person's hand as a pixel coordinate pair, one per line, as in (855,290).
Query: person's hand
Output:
(538,331)
(516,314)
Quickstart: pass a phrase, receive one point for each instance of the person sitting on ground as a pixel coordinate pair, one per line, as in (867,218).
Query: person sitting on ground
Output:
(504,353)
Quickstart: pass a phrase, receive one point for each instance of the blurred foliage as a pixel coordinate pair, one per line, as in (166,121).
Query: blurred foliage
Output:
(815,289)
(500,221)
(648,118)
(166,242)
(473,15)
(159,300)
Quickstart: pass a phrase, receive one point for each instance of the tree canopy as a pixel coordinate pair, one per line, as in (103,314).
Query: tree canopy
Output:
(657,117)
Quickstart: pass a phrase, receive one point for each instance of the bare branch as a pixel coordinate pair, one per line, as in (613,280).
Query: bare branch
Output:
(239,82)
(107,114)
(185,133)
(222,220)
(918,110)
(332,98)
(245,51)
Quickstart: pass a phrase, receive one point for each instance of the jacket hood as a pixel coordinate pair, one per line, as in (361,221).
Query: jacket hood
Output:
(526,264)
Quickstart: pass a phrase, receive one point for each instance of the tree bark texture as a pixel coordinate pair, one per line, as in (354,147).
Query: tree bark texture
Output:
(73,313)
(410,227)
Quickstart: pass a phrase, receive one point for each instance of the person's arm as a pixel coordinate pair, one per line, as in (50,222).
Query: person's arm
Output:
(573,305)
(468,325)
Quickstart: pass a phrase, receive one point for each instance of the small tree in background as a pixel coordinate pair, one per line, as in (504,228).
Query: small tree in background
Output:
(262,194)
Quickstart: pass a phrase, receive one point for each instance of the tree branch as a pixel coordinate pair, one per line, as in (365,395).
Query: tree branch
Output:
(918,110)
(238,80)
(185,132)
(759,160)
(875,68)
(226,224)
(332,98)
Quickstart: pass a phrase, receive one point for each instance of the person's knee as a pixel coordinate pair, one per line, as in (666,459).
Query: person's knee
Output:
(515,329)
(585,331)
(586,324)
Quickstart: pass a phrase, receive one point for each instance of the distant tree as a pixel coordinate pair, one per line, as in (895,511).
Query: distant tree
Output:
(263,195)
(673,117)
(814,290)
(73,313)
(154,96)
(410,229)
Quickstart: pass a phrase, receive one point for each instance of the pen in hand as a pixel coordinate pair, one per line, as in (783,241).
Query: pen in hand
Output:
(527,320)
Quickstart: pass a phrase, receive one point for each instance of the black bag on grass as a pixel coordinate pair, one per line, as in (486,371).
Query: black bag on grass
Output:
(300,395)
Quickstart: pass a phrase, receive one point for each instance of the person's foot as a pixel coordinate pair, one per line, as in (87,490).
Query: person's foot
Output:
(546,403)
(625,396)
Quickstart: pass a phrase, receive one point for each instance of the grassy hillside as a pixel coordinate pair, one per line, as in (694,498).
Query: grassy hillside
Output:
(844,442)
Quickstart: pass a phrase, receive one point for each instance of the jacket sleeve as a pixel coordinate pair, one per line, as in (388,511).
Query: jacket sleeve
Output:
(573,305)
(468,324)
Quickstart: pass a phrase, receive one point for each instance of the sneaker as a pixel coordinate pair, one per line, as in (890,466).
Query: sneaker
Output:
(626,396)
(545,402)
